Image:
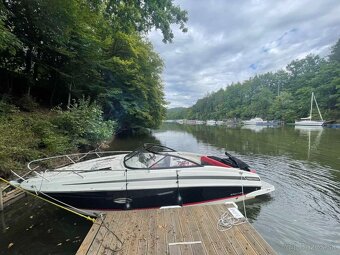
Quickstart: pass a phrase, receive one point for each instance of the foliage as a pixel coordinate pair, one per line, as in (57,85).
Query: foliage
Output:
(25,136)
(283,95)
(335,54)
(8,41)
(27,103)
(66,49)
(83,123)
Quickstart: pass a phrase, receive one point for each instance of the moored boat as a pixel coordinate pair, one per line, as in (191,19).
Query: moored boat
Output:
(152,176)
(308,120)
(254,121)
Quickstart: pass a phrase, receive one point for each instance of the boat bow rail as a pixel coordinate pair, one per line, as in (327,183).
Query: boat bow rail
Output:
(55,163)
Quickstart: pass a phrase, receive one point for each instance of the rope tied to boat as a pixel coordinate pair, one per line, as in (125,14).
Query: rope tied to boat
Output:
(50,202)
(226,221)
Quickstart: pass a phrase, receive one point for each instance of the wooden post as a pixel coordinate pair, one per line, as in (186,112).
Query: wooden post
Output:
(1,201)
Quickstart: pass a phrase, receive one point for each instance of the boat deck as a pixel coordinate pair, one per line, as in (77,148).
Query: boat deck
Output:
(187,230)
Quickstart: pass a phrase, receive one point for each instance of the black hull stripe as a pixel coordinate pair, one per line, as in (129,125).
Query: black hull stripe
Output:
(138,199)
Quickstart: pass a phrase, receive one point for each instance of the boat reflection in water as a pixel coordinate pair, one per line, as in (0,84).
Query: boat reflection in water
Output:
(254,128)
(308,131)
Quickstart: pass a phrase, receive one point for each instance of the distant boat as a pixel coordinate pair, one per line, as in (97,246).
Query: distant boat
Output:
(211,122)
(200,122)
(255,121)
(308,120)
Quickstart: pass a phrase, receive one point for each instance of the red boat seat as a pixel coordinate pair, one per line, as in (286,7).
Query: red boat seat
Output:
(212,162)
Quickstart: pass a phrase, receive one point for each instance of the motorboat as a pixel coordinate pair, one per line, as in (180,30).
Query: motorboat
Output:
(255,121)
(308,120)
(152,176)
(211,122)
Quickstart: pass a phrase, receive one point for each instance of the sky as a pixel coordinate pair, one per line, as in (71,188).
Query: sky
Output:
(230,41)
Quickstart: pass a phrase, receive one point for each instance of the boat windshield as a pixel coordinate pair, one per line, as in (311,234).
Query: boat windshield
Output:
(155,156)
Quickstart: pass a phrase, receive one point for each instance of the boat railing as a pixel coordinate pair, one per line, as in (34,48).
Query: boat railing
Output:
(59,161)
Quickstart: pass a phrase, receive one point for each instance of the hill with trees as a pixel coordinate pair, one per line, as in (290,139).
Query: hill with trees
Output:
(56,51)
(281,95)
(74,71)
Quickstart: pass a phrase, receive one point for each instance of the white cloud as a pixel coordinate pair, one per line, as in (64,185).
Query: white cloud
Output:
(230,41)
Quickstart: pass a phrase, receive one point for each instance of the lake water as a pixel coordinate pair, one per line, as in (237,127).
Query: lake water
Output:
(301,217)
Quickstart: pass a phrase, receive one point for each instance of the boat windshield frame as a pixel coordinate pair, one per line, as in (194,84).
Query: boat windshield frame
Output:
(157,153)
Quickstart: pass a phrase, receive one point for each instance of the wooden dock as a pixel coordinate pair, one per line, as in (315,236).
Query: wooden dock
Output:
(187,230)
(8,198)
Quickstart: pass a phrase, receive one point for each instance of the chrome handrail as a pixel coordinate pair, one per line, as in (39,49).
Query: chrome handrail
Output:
(69,158)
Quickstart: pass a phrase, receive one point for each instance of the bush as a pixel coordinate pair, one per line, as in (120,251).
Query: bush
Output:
(27,103)
(28,136)
(7,108)
(18,144)
(83,123)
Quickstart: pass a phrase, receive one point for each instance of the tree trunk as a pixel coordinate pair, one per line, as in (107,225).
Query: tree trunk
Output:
(10,84)
(53,92)
(28,66)
(69,95)
(29,89)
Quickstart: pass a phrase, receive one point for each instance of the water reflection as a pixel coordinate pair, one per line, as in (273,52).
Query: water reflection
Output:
(303,165)
(132,142)
(254,128)
(280,141)
(31,226)
(308,130)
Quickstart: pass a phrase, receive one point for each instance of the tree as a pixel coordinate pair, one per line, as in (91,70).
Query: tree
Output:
(9,43)
(142,16)
(74,48)
(335,52)
(283,95)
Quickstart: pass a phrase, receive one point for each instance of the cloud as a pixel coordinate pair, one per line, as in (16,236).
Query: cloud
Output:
(230,41)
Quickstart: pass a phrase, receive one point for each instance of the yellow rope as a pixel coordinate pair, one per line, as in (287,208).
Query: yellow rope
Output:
(48,201)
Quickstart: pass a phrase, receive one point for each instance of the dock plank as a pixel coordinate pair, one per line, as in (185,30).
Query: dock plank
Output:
(112,225)
(228,237)
(126,232)
(161,233)
(142,239)
(208,242)
(188,230)
(90,237)
(12,196)
(95,246)
(172,234)
(240,239)
(215,233)
(152,243)
(195,233)
(267,248)
(221,239)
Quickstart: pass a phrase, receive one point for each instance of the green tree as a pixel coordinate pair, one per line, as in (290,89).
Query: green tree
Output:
(335,53)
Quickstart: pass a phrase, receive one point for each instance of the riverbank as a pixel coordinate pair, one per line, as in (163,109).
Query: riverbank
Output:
(40,132)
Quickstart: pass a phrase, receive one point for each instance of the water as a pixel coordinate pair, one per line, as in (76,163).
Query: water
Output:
(301,217)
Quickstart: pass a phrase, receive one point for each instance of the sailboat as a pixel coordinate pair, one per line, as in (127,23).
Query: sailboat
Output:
(308,120)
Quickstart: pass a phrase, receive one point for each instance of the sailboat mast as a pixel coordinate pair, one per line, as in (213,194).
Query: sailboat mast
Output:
(317,107)
(311,106)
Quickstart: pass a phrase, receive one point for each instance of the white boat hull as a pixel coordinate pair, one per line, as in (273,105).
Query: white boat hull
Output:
(309,123)
(147,178)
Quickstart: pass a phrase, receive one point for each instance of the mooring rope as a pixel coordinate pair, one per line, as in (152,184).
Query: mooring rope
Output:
(226,222)
(50,202)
